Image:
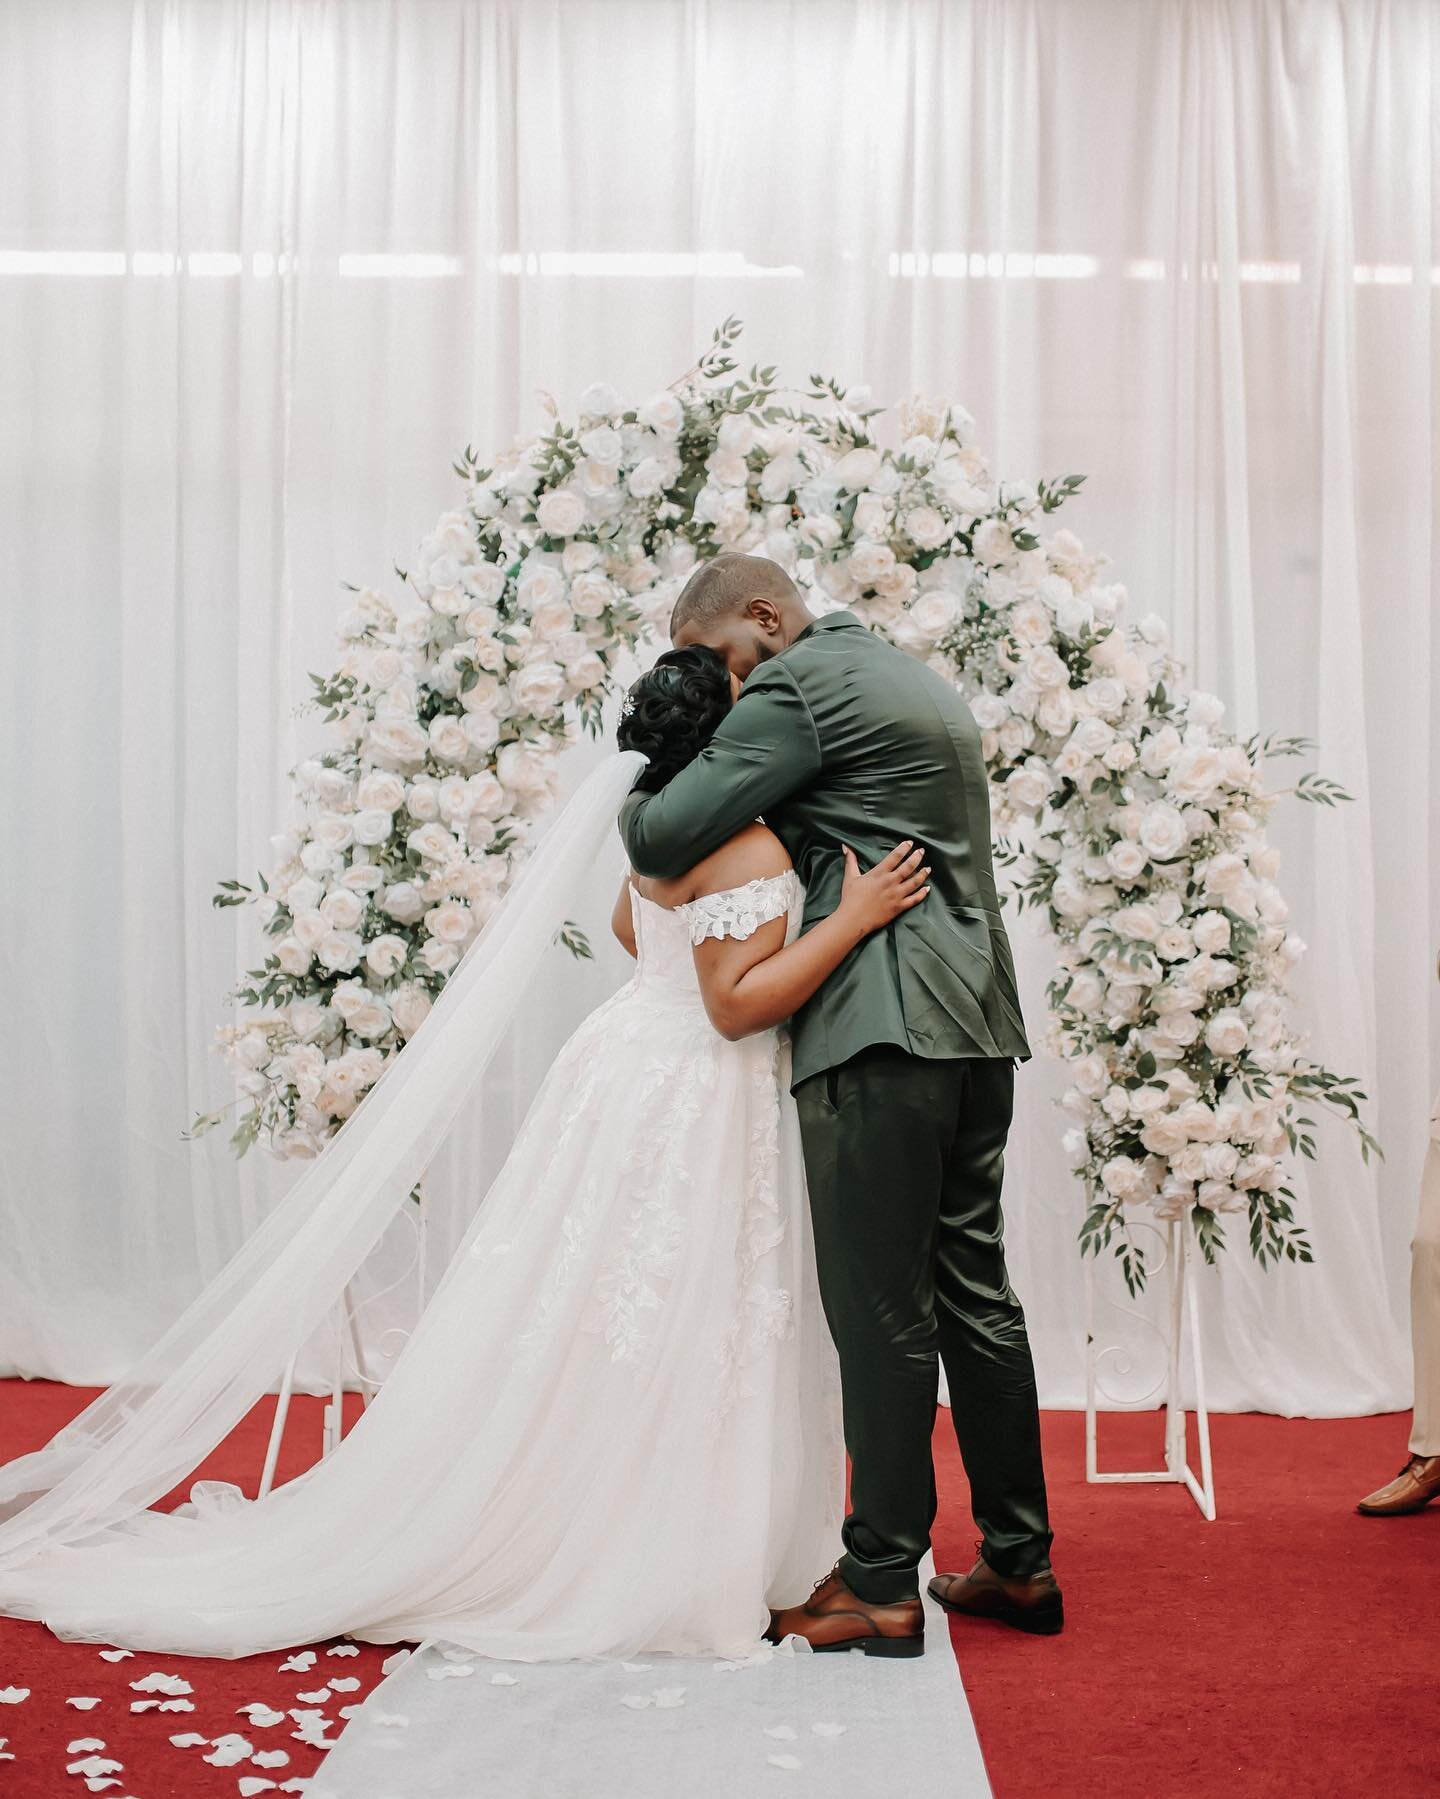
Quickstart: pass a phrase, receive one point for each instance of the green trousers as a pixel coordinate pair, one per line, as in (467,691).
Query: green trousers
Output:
(904,1158)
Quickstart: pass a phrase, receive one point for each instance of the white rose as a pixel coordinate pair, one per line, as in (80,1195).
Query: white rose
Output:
(439,956)
(1090,1074)
(339,950)
(560,514)
(933,613)
(1073,612)
(1140,923)
(482,730)
(538,687)
(403,902)
(647,478)
(432,842)
(1174,943)
(449,921)
(1164,1136)
(398,739)
(1204,708)
(1016,735)
(780,478)
(737,433)
(484,582)
(342,910)
(1196,772)
(409,1007)
(856,469)
(380,791)
(1227,1034)
(552,618)
(371,1018)
(303,895)
(292,955)
(1106,695)
(663,414)
(1122,1178)
(1162,831)
(319,859)
(926,527)
(1178,1028)
(422,800)
(1055,711)
(1126,861)
(992,542)
(590,594)
(1226,874)
(1030,622)
(1085,992)
(309,927)
(1028,787)
(1159,749)
(599,401)
(487,796)
(523,768)
(1044,669)
(385,955)
(1221,1161)
(1211,931)
(585,672)
(868,561)
(448,742)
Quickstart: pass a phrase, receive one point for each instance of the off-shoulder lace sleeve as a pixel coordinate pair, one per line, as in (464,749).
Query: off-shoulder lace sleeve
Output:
(740,911)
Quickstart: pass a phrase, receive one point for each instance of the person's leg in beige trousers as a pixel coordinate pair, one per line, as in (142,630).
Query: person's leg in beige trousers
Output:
(1418,1482)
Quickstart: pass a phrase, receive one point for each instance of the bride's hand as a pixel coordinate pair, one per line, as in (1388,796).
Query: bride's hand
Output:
(883,892)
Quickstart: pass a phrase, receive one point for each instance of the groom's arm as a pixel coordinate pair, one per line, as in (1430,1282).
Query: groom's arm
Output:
(765,749)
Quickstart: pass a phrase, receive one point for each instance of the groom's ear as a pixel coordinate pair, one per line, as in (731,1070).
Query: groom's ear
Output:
(765,613)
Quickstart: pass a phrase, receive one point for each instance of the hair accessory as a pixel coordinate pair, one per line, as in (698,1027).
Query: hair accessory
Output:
(627,705)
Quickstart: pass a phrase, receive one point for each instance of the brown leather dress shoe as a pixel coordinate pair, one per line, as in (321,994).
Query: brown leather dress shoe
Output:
(1032,1603)
(835,1618)
(1412,1489)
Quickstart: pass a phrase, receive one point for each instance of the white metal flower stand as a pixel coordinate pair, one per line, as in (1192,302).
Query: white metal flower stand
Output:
(356,1371)
(1182,1315)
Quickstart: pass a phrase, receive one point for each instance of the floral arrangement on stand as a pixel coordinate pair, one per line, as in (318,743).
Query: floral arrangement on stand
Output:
(1123,807)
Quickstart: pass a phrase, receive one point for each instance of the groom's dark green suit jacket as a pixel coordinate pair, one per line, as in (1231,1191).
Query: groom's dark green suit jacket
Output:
(842,738)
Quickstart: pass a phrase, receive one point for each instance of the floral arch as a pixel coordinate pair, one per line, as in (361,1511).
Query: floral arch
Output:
(1124,809)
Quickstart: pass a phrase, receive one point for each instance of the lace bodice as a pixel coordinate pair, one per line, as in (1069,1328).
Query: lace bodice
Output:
(665,936)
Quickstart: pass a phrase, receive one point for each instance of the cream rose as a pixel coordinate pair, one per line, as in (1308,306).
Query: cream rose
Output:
(537,688)
(1162,831)
(385,955)
(380,791)
(561,513)
(409,1007)
(1227,1034)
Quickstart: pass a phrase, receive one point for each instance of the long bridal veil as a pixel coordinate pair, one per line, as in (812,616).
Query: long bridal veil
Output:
(152,1428)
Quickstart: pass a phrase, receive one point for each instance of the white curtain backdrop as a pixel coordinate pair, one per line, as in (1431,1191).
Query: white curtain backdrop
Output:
(266,267)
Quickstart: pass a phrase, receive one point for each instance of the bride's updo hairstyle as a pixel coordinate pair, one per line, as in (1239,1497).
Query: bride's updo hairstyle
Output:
(672,712)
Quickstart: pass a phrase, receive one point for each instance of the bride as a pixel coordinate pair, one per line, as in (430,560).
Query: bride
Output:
(615,1427)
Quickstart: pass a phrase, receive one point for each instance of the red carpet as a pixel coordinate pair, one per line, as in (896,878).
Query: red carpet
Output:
(1290,1648)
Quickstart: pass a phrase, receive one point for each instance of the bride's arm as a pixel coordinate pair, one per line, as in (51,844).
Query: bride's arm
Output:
(622,919)
(751,983)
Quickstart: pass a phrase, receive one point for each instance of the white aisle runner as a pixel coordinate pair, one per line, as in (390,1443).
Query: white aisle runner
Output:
(449,1725)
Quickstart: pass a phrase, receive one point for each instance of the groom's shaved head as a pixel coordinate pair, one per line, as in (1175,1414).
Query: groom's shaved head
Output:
(725,584)
(745,607)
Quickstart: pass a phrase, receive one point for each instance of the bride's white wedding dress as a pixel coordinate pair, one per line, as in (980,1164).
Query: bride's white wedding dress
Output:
(616,1427)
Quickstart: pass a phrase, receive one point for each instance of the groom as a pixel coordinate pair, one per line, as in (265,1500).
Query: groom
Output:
(903,1076)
